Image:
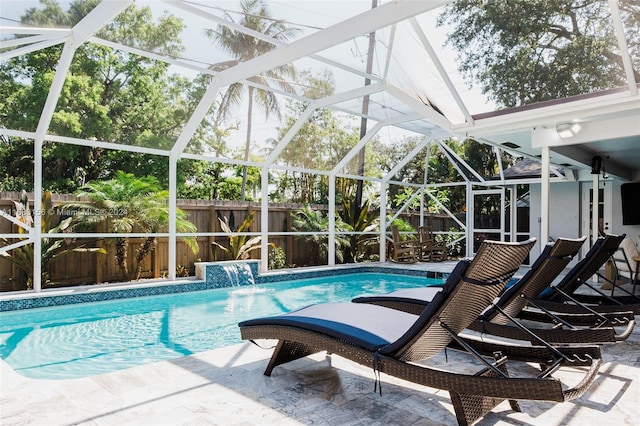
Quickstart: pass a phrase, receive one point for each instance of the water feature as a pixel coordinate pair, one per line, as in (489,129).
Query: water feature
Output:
(239,273)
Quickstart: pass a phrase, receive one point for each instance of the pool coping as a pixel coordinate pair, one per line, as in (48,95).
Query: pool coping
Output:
(113,291)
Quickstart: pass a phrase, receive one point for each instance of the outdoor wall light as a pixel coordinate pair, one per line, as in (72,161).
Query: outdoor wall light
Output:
(567,130)
(596,165)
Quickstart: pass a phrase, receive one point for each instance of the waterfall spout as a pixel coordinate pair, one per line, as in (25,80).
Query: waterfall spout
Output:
(238,274)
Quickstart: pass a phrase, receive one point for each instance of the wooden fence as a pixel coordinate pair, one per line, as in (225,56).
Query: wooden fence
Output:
(88,268)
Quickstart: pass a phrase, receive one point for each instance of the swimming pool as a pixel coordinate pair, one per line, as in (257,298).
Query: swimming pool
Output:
(94,338)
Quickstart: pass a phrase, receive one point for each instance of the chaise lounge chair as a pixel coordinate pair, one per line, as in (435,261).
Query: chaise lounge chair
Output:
(392,341)
(565,297)
(500,318)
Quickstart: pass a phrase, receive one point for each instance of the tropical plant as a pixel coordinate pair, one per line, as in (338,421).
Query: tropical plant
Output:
(277,258)
(240,246)
(361,222)
(127,204)
(52,248)
(243,47)
(316,224)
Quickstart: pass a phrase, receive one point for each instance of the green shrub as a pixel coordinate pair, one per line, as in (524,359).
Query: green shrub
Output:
(277,258)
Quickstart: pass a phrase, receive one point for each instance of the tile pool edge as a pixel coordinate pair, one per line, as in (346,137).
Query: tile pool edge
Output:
(96,293)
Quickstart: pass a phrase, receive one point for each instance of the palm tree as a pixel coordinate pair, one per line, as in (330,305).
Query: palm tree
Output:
(52,248)
(308,220)
(240,246)
(127,204)
(255,16)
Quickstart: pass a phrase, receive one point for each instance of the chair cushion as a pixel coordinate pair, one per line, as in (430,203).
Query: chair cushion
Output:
(623,258)
(436,302)
(421,295)
(367,326)
(629,247)
(417,296)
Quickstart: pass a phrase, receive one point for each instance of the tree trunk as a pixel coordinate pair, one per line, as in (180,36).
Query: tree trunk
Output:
(121,257)
(146,248)
(363,121)
(247,145)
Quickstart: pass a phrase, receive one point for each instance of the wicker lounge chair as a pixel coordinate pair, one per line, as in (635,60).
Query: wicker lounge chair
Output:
(565,297)
(500,318)
(391,341)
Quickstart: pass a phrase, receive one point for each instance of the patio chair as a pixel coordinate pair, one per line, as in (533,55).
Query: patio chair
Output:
(626,261)
(500,318)
(429,249)
(569,297)
(392,341)
(404,251)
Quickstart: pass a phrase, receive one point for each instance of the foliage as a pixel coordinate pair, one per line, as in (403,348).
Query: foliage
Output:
(452,241)
(317,225)
(52,248)
(392,153)
(108,96)
(241,46)
(128,204)
(16,163)
(360,220)
(525,52)
(320,143)
(204,181)
(182,271)
(404,227)
(443,195)
(403,197)
(277,258)
(240,246)
(440,168)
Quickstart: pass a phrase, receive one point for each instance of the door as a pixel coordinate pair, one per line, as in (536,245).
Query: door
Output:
(488,217)
(604,211)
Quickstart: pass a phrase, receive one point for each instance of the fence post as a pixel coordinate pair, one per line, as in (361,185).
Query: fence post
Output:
(155,263)
(99,263)
(289,240)
(212,228)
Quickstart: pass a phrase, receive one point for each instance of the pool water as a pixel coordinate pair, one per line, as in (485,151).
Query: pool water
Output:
(93,338)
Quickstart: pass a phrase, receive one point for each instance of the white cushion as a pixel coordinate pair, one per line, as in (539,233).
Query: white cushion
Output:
(630,250)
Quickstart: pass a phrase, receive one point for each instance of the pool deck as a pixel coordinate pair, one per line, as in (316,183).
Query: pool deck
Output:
(226,387)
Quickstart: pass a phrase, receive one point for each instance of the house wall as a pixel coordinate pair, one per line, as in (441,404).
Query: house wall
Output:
(564,211)
(565,215)
(632,231)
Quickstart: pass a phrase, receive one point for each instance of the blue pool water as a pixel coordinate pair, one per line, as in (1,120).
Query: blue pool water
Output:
(94,338)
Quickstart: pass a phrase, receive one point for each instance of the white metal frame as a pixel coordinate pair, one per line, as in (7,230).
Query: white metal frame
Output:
(539,122)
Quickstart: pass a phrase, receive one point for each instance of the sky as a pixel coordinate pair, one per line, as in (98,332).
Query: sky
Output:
(309,16)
